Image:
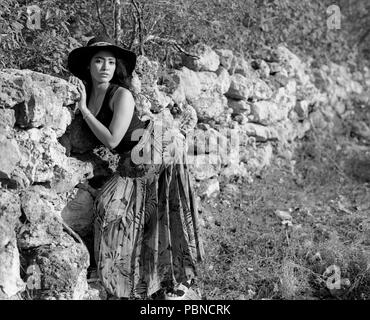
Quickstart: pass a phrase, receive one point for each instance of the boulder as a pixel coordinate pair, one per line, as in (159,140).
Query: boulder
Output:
(223,80)
(43,160)
(61,271)
(7,118)
(301,109)
(10,156)
(262,67)
(226,57)
(37,99)
(257,159)
(10,211)
(205,166)
(209,188)
(43,226)
(10,281)
(184,117)
(239,106)
(188,84)
(260,132)
(267,112)
(240,87)
(261,90)
(78,213)
(240,66)
(209,105)
(206,59)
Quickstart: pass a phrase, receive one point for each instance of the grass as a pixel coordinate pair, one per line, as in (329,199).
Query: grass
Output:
(323,255)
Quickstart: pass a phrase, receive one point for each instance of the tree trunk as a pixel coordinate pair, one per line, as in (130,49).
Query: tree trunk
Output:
(117,21)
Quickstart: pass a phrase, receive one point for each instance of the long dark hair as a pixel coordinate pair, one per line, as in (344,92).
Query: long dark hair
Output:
(120,76)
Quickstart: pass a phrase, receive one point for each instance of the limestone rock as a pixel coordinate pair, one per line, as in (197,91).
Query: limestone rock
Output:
(43,159)
(209,188)
(208,59)
(340,107)
(185,117)
(10,211)
(38,99)
(205,166)
(285,100)
(43,225)
(240,87)
(261,90)
(262,67)
(267,112)
(189,84)
(261,133)
(293,64)
(10,281)
(318,120)
(10,156)
(226,57)
(240,66)
(301,108)
(239,106)
(7,118)
(257,159)
(62,271)
(223,80)
(78,213)
(209,105)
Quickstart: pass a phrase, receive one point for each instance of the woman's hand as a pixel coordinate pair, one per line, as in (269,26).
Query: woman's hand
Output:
(82,91)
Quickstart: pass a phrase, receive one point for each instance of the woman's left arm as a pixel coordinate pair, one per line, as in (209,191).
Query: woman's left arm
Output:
(123,109)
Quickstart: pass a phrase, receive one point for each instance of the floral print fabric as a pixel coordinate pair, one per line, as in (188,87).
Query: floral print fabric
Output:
(146,233)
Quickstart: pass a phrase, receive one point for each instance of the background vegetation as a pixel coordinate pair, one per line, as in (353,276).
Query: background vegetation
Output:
(159,29)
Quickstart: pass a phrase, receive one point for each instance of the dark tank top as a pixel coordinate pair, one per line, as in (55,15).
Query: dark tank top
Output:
(105,117)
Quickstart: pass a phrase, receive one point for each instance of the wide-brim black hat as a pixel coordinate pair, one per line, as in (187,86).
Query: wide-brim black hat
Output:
(79,58)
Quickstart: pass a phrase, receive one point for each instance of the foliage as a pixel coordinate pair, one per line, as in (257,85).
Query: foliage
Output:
(159,29)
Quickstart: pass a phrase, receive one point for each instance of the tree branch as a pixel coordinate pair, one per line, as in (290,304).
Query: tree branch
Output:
(117,21)
(140,25)
(170,42)
(100,19)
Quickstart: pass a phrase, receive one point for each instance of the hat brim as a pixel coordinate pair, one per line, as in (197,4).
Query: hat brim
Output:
(79,58)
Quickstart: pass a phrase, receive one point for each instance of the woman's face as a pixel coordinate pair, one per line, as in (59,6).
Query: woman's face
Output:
(102,66)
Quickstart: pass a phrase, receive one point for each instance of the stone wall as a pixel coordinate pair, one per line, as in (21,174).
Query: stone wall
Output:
(237,115)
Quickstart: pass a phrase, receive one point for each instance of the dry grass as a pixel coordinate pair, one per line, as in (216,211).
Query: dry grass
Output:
(251,255)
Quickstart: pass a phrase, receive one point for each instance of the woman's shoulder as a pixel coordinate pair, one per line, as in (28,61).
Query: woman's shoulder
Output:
(121,93)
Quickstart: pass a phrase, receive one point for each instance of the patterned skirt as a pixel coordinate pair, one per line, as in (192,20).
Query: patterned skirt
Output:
(146,233)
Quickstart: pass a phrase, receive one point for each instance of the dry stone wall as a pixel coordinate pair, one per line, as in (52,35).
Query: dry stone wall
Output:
(237,115)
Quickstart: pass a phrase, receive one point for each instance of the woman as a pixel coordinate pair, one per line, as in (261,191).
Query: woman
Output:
(146,237)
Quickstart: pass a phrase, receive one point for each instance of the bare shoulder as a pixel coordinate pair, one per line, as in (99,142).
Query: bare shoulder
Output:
(123,94)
